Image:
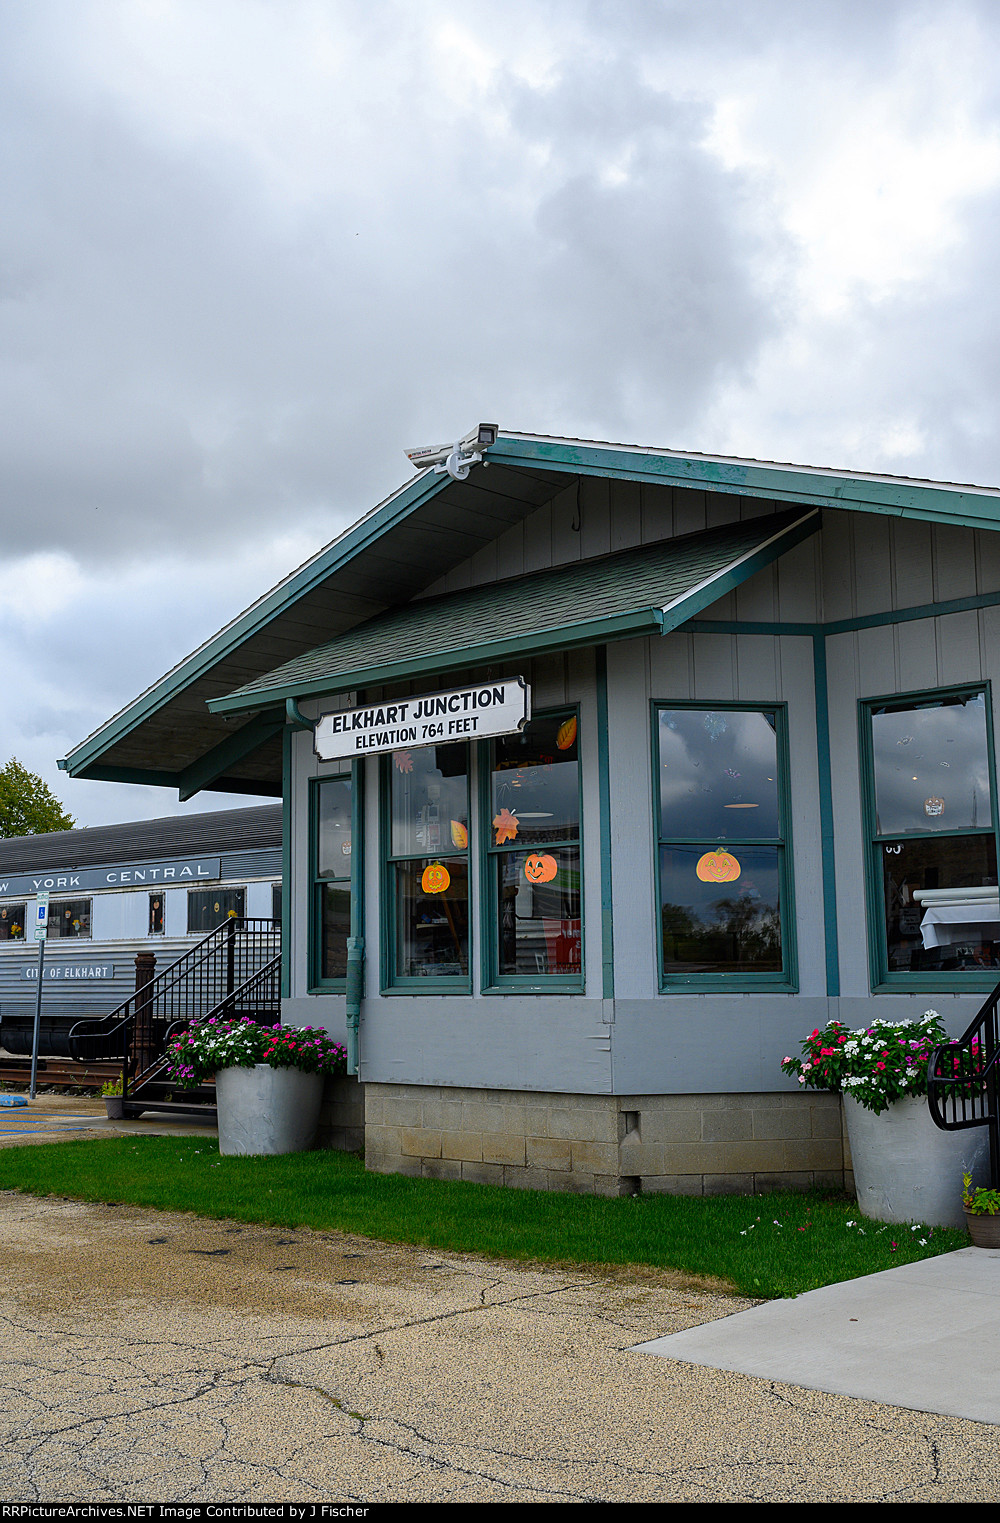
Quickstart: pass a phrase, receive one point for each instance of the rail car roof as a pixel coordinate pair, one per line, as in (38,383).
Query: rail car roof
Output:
(212,833)
(169,735)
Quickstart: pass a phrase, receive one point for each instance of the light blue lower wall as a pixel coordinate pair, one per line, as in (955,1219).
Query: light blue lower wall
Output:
(680,1044)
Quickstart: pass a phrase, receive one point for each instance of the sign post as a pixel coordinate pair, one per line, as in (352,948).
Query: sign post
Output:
(41,928)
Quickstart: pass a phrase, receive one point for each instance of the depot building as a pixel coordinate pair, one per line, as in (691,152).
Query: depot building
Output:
(608,773)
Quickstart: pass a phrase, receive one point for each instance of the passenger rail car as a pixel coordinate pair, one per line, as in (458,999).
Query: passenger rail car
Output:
(155,886)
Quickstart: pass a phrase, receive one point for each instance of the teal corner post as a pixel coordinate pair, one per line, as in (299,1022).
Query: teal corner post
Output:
(607,918)
(356,940)
(826,815)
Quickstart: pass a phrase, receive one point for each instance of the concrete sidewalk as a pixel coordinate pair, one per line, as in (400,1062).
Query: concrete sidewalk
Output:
(924,1336)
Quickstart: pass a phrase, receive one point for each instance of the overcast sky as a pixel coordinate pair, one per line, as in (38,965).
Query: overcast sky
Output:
(251,250)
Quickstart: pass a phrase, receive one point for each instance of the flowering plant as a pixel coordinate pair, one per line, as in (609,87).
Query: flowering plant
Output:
(979,1201)
(207,1046)
(880,1063)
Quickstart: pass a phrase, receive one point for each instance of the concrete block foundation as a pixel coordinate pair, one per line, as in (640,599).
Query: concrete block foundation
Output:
(607,1144)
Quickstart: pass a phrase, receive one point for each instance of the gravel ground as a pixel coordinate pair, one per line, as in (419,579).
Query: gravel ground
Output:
(153,1357)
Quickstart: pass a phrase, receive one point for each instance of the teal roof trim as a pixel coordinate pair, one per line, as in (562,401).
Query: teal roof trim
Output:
(650,589)
(942,502)
(372,527)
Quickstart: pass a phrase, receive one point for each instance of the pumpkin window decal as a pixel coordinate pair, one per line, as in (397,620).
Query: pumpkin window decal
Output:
(539,868)
(718,867)
(435,878)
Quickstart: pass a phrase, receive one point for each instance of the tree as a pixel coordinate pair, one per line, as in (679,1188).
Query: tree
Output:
(28,807)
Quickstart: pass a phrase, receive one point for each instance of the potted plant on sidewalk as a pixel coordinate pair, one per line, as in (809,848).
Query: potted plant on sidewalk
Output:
(268,1080)
(904,1166)
(114,1104)
(982,1213)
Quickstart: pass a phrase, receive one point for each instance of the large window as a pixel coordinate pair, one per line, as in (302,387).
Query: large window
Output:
(333,837)
(533,914)
(724,889)
(932,838)
(427,832)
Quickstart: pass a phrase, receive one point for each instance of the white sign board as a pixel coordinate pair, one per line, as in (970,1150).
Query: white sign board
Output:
(465,713)
(41,916)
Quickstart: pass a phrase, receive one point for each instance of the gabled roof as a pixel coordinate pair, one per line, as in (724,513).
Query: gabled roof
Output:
(650,589)
(169,735)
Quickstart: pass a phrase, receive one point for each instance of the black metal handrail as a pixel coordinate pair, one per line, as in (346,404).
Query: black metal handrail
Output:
(962,1080)
(258,999)
(136,1031)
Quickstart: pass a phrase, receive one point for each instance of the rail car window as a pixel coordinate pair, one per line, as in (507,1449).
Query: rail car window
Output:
(211,907)
(69,917)
(156,914)
(12,922)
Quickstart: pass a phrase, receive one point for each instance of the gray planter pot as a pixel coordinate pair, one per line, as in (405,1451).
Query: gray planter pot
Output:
(906,1169)
(267,1110)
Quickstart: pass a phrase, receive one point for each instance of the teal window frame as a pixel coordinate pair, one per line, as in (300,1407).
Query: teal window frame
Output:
(493,982)
(882,979)
(787,981)
(390,982)
(317,983)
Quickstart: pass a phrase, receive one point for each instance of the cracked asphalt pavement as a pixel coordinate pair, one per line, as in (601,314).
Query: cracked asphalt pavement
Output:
(150,1357)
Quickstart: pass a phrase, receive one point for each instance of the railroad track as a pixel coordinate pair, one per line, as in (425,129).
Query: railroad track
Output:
(59,1073)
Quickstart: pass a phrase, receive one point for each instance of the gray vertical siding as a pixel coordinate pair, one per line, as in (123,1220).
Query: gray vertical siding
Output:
(859,564)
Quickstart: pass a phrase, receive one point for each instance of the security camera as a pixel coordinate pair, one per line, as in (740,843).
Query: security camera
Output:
(459,458)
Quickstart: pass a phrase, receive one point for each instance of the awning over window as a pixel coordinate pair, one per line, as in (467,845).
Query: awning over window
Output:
(649,590)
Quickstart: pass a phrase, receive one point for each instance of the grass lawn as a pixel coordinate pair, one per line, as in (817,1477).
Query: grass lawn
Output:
(763,1245)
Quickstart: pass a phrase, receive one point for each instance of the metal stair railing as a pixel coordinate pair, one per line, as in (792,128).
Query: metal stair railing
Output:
(963,1082)
(136,1032)
(258,999)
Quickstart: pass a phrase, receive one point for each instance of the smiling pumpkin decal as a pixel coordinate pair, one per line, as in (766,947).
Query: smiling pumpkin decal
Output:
(718,867)
(435,879)
(540,869)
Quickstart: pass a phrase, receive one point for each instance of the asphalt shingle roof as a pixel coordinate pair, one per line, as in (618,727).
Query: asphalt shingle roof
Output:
(604,597)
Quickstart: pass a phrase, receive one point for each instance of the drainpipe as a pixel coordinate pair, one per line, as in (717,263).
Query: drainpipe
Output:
(355,990)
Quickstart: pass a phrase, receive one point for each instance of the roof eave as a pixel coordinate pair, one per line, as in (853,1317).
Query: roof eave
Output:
(970,506)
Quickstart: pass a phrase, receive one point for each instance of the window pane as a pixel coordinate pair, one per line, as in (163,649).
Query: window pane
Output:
(536,793)
(430,800)
(931,766)
(718,774)
(335,928)
(719,910)
(539,898)
(69,917)
(333,836)
(12,922)
(211,907)
(432,919)
(275,903)
(941,904)
(156,914)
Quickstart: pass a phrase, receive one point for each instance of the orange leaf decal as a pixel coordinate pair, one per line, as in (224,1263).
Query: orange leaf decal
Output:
(403,760)
(566,734)
(505,824)
(459,835)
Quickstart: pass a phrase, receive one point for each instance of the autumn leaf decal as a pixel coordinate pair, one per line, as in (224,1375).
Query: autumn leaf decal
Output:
(459,835)
(505,824)
(403,761)
(566,734)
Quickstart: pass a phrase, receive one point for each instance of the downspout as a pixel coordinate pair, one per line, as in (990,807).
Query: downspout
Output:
(296,720)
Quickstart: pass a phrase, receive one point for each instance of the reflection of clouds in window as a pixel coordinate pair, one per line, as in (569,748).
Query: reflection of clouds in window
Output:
(951,768)
(720,783)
